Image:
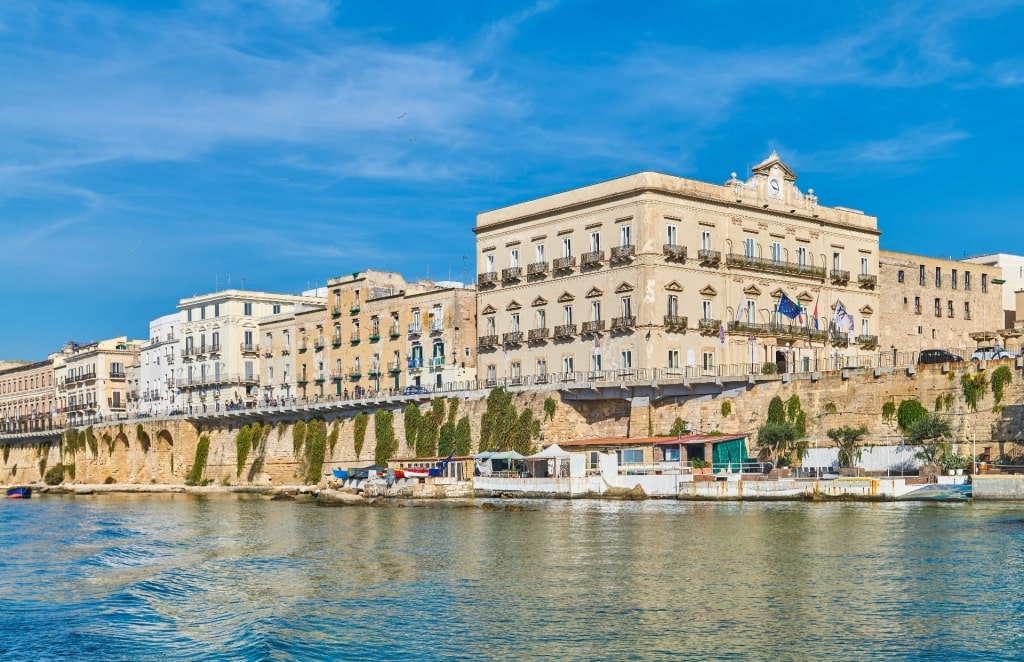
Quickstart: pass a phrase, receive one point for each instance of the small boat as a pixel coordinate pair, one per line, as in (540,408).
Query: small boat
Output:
(416,473)
(340,474)
(19,492)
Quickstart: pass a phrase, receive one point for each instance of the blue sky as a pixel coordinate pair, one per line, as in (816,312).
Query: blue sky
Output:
(151,151)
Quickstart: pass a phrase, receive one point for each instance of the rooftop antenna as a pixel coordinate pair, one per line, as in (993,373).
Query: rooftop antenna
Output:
(216,282)
(243,283)
(464,272)
(229,280)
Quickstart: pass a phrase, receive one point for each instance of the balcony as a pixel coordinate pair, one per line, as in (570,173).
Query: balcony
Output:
(302,381)
(318,344)
(709,326)
(395,367)
(268,352)
(623,253)
(565,331)
(536,269)
(354,309)
(335,377)
(839,277)
(415,329)
(709,258)
(538,335)
(867,341)
(774,266)
(374,336)
(374,373)
(837,337)
(355,373)
(487,279)
(591,259)
(336,341)
(513,338)
(303,346)
(415,364)
(437,326)
(395,332)
(117,374)
(250,348)
(511,274)
(674,253)
(436,363)
(336,312)
(488,341)
(623,323)
(564,263)
(776,330)
(593,326)
(214,348)
(867,281)
(676,323)
(320,378)
(354,338)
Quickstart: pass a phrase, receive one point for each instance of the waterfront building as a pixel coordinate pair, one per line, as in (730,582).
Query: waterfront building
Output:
(377,332)
(220,353)
(279,349)
(91,380)
(936,303)
(657,272)
(26,396)
(159,358)
(1011,268)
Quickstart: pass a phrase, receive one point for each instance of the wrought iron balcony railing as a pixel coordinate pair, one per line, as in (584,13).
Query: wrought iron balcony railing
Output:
(564,263)
(676,323)
(511,274)
(537,269)
(623,253)
(591,259)
(538,334)
(674,253)
(709,257)
(741,261)
(593,326)
(487,278)
(625,322)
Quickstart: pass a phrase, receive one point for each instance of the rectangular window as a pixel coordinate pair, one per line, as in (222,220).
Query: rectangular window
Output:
(541,318)
(776,252)
(938,307)
(705,240)
(673,305)
(748,247)
(864,266)
(202,312)
(492,373)
(248,370)
(708,361)
(952,279)
(949,309)
(595,311)
(706,309)
(967,310)
(627,306)
(247,309)
(801,256)
(595,362)
(542,366)
(568,366)
(515,323)
(837,261)
(920,274)
(540,252)
(631,456)
(673,358)
(517,370)
(967,280)
(751,311)
(899,276)
(216,310)
(489,325)
(489,262)
(216,339)
(595,242)
(984,283)
(865,326)
(625,238)
(672,235)
(627,359)
(567,315)
(566,246)
(513,258)
(188,314)
(938,276)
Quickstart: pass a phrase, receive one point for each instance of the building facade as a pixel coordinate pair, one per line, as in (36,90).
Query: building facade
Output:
(932,303)
(27,397)
(159,358)
(92,380)
(655,272)
(220,353)
(1011,272)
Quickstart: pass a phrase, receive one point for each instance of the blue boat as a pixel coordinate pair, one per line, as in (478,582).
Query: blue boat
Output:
(19,492)
(340,474)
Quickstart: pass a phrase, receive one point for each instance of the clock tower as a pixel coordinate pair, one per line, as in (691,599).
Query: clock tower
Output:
(775,179)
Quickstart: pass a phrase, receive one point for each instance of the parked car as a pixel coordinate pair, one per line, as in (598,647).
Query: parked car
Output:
(989,353)
(937,356)
(416,390)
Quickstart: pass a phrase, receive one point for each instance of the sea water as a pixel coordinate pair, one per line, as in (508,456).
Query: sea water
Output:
(168,577)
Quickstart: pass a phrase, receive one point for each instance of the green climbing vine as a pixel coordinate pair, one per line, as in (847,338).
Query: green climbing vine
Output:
(549,408)
(243,444)
(298,437)
(109,441)
(909,412)
(502,428)
(726,407)
(1001,376)
(413,416)
(359,432)
(332,439)
(195,476)
(384,431)
(316,449)
(90,439)
(463,437)
(974,388)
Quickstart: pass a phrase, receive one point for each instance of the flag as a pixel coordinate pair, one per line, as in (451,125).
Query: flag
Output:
(843,319)
(815,314)
(739,310)
(721,334)
(788,308)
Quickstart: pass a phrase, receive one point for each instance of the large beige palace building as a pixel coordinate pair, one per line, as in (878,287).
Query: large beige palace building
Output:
(653,271)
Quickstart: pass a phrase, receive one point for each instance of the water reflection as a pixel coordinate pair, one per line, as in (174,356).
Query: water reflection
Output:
(146,577)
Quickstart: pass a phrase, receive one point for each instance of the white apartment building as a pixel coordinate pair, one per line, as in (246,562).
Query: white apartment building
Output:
(158,360)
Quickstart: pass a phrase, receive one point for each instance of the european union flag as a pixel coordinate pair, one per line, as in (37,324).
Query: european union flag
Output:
(788,308)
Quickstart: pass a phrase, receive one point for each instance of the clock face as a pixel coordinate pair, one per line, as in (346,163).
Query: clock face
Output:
(774,189)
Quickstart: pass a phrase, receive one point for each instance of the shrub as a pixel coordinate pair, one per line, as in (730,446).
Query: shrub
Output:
(974,388)
(679,427)
(1001,376)
(908,412)
(549,408)
(54,475)
(769,368)
(726,407)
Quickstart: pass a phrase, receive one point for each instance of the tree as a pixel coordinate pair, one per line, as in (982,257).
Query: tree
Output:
(846,439)
(777,438)
(932,433)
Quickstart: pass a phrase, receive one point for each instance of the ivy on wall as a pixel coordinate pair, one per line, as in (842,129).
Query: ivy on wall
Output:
(384,431)
(359,432)
(195,476)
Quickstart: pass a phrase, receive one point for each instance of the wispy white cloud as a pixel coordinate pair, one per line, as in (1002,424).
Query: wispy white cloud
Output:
(904,152)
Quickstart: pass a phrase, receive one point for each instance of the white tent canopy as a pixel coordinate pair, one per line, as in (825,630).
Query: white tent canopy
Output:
(551,452)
